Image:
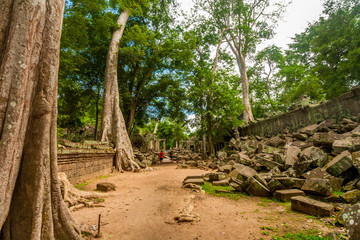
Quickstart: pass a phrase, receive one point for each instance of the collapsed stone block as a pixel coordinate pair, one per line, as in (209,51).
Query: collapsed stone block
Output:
(310,130)
(291,155)
(312,207)
(245,173)
(105,186)
(226,168)
(326,139)
(255,188)
(275,185)
(339,164)
(317,186)
(317,156)
(217,176)
(223,182)
(291,182)
(340,146)
(352,196)
(286,195)
(197,181)
(349,216)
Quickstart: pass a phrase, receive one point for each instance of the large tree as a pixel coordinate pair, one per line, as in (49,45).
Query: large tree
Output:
(247,23)
(112,121)
(31,205)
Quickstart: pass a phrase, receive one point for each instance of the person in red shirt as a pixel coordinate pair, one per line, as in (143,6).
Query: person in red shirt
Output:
(161,156)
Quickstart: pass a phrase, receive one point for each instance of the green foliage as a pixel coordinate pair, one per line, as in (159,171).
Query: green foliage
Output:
(210,189)
(309,235)
(81,185)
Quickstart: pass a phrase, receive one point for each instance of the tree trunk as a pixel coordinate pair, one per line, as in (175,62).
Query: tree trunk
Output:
(112,121)
(203,150)
(248,116)
(132,114)
(160,117)
(31,205)
(97,114)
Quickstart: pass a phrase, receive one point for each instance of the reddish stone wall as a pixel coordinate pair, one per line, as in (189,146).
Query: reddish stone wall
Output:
(343,106)
(81,165)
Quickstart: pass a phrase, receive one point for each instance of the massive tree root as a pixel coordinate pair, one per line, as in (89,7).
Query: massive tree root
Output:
(73,196)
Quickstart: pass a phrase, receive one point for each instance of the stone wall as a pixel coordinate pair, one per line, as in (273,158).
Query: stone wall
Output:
(344,106)
(79,165)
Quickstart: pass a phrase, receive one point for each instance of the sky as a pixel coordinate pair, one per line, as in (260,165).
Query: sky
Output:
(298,14)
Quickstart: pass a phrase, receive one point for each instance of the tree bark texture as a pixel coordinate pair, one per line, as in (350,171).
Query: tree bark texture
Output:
(112,121)
(31,205)
(241,62)
(248,116)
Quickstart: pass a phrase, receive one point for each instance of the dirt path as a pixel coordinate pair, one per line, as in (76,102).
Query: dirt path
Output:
(145,204)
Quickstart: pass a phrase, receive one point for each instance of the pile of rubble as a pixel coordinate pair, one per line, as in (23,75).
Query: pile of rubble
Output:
(146,159)
(320,160)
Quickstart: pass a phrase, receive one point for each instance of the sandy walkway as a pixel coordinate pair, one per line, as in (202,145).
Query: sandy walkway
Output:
(145,204)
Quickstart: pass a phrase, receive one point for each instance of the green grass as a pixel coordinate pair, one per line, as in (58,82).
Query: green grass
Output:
(339,193)
(103,177)
(306,235)
(81,186)
(210,189)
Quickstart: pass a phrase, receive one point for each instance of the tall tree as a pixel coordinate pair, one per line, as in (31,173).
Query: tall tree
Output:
(112,121)
(248,23)
(31,205)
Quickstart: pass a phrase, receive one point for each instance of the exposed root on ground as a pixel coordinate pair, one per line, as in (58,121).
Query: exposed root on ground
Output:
(74,197)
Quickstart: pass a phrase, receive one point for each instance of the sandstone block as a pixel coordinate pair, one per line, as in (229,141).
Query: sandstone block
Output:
(339,164)
(197,181)
(312,207)
(350,218)
(226,168)
(105,186)
(275,185)
(317,186)
(352,196)
(310,130)
(286,195)
(217,176)
(340,146)
(223,182)
(255,188)
(291,155)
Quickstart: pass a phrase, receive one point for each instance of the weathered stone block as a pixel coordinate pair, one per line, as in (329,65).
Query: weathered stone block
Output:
(275,185)
(349,216)
(352,196)
(255,188)
(317,156)
(194,177)
(317,186)
(356,160)
(223,182)
(217,176)
(286,195)
(326,139)
(197,181)
(105,186)
(291,155)
(312,207)
(340,146)
(246,173)
(316,173)
(300,136)
(310,130)
(226,168)
(339,164)
(275,141)
(293,182)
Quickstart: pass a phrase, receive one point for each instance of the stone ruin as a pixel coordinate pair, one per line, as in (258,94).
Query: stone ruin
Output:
(320,160)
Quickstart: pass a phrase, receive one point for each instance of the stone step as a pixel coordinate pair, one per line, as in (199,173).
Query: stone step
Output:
(197,181)
(286,195)
(311,207)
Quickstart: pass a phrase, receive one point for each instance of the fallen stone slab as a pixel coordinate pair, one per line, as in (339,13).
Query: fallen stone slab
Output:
(300,136)
(326,139)
(356,160)
(290,183)
(246,173)
(217,176)
(317,186)
(317,156)
(105,186)
(311,207)
(274,185)
(352,196)
(193,177)
(316,173)
(349,216)
(226,168)
(310,130)
(339,164)
(237,184)
(223,182)
(255,188)
(286,195)
(197,181)
(291,155)
(268,163)
(340,146)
